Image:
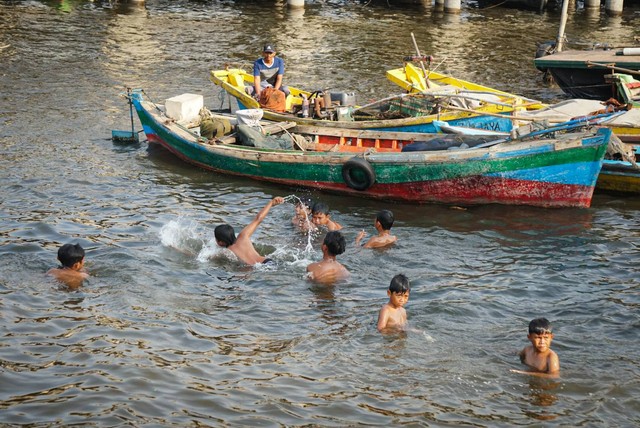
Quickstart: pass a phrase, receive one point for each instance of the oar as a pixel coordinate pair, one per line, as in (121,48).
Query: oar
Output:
(126,136)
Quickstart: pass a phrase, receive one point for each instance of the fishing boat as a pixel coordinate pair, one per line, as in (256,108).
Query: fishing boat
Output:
(414,79)
(550,170)
(580,73)
(620,177)
(404,112)
(627,90)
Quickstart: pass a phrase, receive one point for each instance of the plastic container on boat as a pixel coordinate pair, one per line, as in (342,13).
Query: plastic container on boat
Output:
(185,107)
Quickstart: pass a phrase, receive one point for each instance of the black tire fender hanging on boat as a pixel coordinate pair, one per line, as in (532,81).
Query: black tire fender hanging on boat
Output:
(358,173)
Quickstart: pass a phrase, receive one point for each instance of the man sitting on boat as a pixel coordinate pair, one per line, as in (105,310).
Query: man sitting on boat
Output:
(268,71)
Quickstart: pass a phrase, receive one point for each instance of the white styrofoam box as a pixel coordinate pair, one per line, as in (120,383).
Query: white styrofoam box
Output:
(185,107)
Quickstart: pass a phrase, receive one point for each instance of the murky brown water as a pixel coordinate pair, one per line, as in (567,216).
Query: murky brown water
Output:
(161,338)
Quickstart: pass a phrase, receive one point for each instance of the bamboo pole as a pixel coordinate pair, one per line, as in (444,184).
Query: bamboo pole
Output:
(424,71)
(613,67)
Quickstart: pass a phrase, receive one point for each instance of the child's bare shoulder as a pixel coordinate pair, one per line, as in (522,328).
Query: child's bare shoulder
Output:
(381,241)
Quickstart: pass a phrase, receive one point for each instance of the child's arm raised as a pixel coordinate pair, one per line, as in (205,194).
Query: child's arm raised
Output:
(251,227)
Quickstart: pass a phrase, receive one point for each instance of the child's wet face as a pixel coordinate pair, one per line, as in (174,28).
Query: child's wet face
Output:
(398,299)
(541,341)
(320,218)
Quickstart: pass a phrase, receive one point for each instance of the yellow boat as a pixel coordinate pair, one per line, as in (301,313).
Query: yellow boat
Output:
(413,80)
(404,112)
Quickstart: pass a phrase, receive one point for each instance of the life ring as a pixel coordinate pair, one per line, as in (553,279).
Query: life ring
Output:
(358,173)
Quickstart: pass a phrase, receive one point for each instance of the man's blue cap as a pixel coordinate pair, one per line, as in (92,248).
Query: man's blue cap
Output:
(268,48)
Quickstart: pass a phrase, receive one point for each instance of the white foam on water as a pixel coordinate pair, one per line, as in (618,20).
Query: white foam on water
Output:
(182,234)
(211,250)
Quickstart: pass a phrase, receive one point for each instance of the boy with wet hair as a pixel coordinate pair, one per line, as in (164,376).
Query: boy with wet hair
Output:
(538,356)
(71,272)
(320,217)
(329,270)
(242,246)
(383,222)
(393,316)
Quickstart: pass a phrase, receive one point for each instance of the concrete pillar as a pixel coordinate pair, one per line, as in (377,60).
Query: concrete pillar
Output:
(591,4)
(295,3)
(613,7)
(452,6)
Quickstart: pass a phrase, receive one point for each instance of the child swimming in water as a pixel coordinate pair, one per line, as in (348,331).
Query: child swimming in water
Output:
(71,272)
(383,222)
(393,316)
(538,356)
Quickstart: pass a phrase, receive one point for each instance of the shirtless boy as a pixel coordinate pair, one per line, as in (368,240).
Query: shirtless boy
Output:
(320,216)
(393,316)
(538,356)
(242,246)
(71,272)
(329,270)
(383,222)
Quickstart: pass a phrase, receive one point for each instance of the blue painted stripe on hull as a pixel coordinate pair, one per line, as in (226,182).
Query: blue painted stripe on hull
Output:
(479,122)
(583,174)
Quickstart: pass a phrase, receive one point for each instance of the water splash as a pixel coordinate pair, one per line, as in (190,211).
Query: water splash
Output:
(183,235)
(307,226)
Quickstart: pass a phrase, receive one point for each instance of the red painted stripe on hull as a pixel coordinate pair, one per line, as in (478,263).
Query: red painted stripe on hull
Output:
(470,191)
(466,191)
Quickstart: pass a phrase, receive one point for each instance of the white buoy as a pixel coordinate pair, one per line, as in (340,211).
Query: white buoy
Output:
(295,3)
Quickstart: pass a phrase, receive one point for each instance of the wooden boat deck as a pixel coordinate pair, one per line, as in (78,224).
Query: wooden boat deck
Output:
(579,59)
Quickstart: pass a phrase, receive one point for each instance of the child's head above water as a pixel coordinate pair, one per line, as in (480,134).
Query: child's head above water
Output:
(70,254)
(320,213)
(305,202)
(400,284)
(225,234)
(540,326)
(303,206)
(335,243)
(385,218)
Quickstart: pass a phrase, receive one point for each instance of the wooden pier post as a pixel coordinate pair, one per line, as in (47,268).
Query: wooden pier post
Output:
(613,7)
(452,6)
(591,4)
